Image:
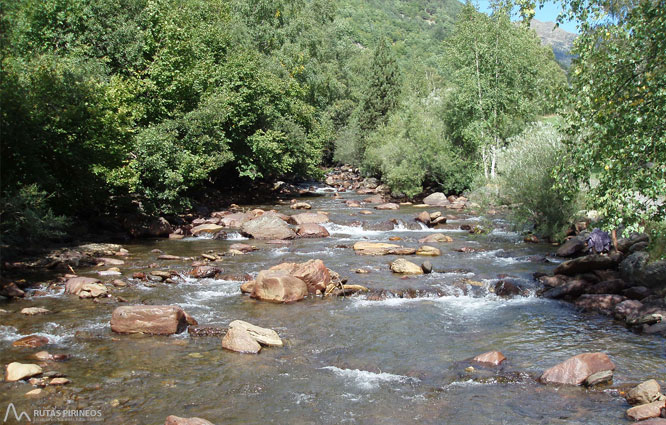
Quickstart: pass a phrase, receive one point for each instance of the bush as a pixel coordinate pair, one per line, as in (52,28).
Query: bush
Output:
(526,180)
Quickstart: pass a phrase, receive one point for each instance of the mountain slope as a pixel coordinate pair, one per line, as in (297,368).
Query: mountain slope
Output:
(560,40)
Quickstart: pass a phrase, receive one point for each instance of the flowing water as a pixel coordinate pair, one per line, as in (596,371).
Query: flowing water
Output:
(345,360)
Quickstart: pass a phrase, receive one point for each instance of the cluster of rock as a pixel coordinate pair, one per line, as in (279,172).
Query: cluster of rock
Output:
(35,375)
(649,403)
(621,284)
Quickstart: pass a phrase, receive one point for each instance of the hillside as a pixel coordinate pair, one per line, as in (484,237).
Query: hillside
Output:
(560,40)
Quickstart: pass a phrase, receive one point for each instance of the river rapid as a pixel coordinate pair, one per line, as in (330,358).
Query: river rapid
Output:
(345,360)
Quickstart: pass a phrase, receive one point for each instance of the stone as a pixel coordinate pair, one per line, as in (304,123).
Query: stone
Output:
(301,206)
(247,287)
(11,290)
(644,393)
(313,272)
(35,392)
(598,378)
(207,228)
(426,267)
(654,421)
(365,212)
(627,309)
(75,285)
(32,311)
(59,381)
(267,227)
(436,199)
(571,247)
(387,206)
(149,319)
(436,237)
(235,220)
(240,341)
(16,371)
(308,218)
(586,264)
(403,266)
(263,336)
(646,411)
(353,204)
(279,287)
(612,286)
(93,290)
(169,257)
(374,199)
(493,358)
(312,230)
(602,303)
(428,251)
(31,341)
(571,289)
(575,370)
(423,217)
(243,247)
(506,288)
(374,248)
(205,272)
(637,292)
(111,261)
(175,420)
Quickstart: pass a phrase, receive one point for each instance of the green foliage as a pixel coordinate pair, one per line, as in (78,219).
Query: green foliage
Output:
(616,131)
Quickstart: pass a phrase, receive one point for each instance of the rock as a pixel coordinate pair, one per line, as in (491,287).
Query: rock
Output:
(31,341)
(301,206)
(374,199)
(176,236)
(577,369)
(308,218)
(426,267)
(206,229)
(571,289)
(637,292)
(428,251)
(365,212)
(625,244)
(16,371)
(235,220)
(493,358)
(149,319)
(35,392)
(382,226)
(175,420)
(10,290)
(169,257)
(436,237)
(571,247)
(585,264)
(599,378)
(353,204)
(345,290)
(119,283)
(268,227)
(388,206)
(262,335)
(59,381)
(278,286)
(374,248)
(403,266)
(206,331)
(436,199)
(602,303)
(312,230)
(646,411)
(612,286)
(243,247)
(505,288)
(111,261)
(313,272)
(247,287)
(654,421)
(93,290)
(627,309)
(204,272)
(32,311)
(240,341)
(75,285)
(645,392)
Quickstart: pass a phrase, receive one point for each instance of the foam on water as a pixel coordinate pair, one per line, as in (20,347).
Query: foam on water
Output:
(10,333)
(461,304)
(356,231)
(235,236)
(368,380)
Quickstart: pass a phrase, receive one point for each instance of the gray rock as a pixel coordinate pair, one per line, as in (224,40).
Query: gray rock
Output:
(427,267)
(571,247)
(586,264)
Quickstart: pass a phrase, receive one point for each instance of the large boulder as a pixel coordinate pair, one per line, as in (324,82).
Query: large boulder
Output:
(436,199)
(268,227)
(637,269)
(403,266)
(207,228)
(313,272)
(235,220)
(577,369)
(645,392)
(312,230)
(149,319)
(175,420)
(240,341)
(85,287)
(278,286)
(16,371)
(308,218)
(588,263)
(262,335)
(571,247)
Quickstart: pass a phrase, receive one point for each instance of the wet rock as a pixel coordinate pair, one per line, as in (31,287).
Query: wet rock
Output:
(374,248)
(32,311)
(206,229)
(175,420)
(243,247)
(344,290)
(267,227)
(403,266)
(235,220)
(426,267)
(436,199)
(602,303)
(308,218)
(570,289)
(75,285)
(436,237)
(374,199)
(572,247)
(637,292)
(613,286)
(598,378)
(176,236)
(646,411)
(204,272)
(312,230)
(627,309)
(263,336)
(169,257)
(59,381)
(493,358)
(301,206)
(505,288)
(637,270)
(654,421)
(16,371)
(247,287)
(577,369)
(586,264)
(119,283)
(278,286)
(428,251)
(157,227)
(240,341)
(388,206)
(313,272)
(206,331)
(11,290)
(645,392)
(625,244)
(111,261)
(35,392)
(149,319)
(31,341)
(382,226)
(365,212)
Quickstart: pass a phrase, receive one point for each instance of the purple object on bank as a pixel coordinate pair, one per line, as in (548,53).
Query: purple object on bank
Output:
(598,241)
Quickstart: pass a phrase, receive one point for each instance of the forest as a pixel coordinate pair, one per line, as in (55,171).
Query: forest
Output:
(140,105)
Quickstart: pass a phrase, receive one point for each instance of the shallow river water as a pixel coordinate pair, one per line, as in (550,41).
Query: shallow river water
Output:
(345,360)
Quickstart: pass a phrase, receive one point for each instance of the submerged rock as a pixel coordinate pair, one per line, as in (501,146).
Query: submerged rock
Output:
(388,206)
(149,319)
(493,358)
(240,341)
(32,311)
(175,420)
(31,341)
(16,371)
(577,369)
(436,237)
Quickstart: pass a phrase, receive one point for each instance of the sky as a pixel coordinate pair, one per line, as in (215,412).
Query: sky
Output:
(548,12)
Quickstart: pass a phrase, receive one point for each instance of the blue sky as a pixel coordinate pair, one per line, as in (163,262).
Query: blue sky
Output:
(547,13)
